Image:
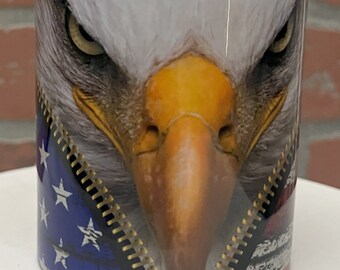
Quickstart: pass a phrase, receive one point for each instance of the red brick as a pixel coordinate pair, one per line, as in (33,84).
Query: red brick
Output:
(16,3)
(14,156)
(332,2)
(324,162)
(321,80)
(17,75)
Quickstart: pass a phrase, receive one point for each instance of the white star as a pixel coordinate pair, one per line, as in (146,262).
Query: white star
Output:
(42,263)
(60,254)
(43,212)
(43,154)
(90,235)
(62,194)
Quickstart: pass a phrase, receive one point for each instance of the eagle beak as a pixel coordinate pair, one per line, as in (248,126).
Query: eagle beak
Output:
(185,163)
(187,157)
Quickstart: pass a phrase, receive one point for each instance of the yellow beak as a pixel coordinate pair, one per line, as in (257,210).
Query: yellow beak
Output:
(185,163)
(186,160)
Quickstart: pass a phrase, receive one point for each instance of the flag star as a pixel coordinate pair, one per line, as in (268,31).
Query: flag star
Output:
(42,263)
(43,154)
(43,212)
(60,254)
(62,194)
(90,235)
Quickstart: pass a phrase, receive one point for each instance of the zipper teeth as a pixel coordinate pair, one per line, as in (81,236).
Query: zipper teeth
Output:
(136,246)
(242,235)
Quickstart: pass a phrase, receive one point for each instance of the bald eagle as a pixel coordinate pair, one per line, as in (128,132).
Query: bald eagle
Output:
(184,110)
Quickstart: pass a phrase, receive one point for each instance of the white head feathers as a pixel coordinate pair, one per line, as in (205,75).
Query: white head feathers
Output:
(138,34)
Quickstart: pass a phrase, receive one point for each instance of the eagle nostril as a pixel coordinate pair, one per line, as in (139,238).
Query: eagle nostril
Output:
(226,138)
(225,131)
(152,131)
(149,140)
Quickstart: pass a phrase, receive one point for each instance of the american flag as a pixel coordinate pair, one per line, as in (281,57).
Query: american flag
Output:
(72,234)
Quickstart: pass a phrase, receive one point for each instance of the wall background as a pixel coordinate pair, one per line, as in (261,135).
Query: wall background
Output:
(320,130)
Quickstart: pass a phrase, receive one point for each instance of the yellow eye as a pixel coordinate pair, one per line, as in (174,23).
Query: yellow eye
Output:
(81,39)
(283,38)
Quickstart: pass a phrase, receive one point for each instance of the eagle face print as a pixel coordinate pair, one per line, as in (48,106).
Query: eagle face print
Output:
(167,133)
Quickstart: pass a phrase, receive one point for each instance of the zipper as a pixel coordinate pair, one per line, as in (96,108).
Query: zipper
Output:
(242,235)
(122,229)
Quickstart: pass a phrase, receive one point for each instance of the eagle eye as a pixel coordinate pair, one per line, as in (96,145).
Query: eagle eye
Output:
(283,38)
(81,39)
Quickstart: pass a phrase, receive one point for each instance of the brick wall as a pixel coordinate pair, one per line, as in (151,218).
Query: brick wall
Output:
(17,41)
(320,129)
